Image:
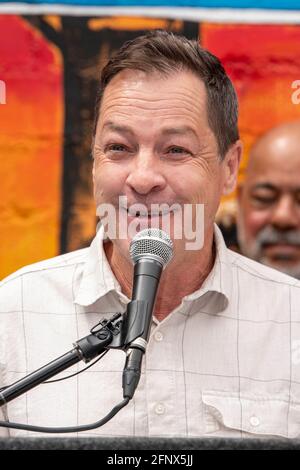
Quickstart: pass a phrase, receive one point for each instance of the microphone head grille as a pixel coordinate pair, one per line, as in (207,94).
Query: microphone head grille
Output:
(152,242)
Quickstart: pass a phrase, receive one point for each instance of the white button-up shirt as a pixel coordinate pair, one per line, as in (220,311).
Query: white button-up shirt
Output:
(225,362)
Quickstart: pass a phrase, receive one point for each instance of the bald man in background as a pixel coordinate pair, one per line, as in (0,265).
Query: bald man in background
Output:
(268,222)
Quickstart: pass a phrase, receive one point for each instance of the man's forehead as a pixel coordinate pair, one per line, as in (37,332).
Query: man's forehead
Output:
(134,82)
(177,102)
(276,149)
(268,163)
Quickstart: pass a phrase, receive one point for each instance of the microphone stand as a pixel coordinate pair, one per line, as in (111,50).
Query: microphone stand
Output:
(130,333)
(104,335)
(115,333)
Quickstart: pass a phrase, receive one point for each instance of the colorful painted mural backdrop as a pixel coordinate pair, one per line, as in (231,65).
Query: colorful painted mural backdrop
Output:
(50,66)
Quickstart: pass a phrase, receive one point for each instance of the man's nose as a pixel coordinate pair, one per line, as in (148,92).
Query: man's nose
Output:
(146,174)
(285,214)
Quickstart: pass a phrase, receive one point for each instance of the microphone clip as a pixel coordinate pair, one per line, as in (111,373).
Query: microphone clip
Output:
(135,321)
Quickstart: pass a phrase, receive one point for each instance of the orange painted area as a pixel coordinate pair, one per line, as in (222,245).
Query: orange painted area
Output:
(121,23)
(262,61)
(31,125)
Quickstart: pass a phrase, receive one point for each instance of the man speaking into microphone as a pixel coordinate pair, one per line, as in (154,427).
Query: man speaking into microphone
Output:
(222,357)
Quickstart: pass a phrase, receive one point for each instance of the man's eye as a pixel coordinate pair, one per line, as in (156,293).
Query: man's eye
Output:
(116,147)
(263,200)
(178,150)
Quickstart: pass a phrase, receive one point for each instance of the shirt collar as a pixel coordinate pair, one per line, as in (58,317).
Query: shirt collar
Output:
(218,283)
(98,278)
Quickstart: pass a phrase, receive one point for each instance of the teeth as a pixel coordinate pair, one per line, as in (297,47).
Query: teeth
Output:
(160,213)
(137,213)
(146,214)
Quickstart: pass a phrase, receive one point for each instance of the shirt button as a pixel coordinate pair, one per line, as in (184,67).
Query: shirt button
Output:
(254,421)
(160,409)
(158,336)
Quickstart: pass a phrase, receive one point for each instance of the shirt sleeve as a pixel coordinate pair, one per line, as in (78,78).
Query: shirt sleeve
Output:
(4,432)
(9,302)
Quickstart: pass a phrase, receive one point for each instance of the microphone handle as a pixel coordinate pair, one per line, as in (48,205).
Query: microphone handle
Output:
(146,279)
(147,274)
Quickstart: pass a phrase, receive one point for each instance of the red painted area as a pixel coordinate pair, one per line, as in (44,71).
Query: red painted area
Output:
(31,126)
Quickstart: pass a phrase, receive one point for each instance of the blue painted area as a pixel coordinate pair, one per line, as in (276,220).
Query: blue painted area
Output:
(266,4)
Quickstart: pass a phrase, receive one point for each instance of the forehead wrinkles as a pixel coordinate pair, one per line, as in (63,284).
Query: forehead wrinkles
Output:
(152,98)
(177,97)
(183,87)
(176,107)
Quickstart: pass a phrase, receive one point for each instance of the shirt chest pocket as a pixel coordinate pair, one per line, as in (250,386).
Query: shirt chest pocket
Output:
(240,415)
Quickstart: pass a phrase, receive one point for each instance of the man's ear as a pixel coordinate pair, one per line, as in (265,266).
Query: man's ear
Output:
(231,164)
(93,172)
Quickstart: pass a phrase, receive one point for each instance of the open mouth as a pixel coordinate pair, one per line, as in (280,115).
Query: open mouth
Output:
(146,214)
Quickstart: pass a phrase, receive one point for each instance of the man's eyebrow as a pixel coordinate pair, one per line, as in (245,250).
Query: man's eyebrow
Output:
(273,188)
(121,128)
(268,186)
(117,127)
(181,130)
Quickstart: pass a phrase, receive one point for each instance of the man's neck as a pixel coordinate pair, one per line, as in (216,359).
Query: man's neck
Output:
(178,280)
